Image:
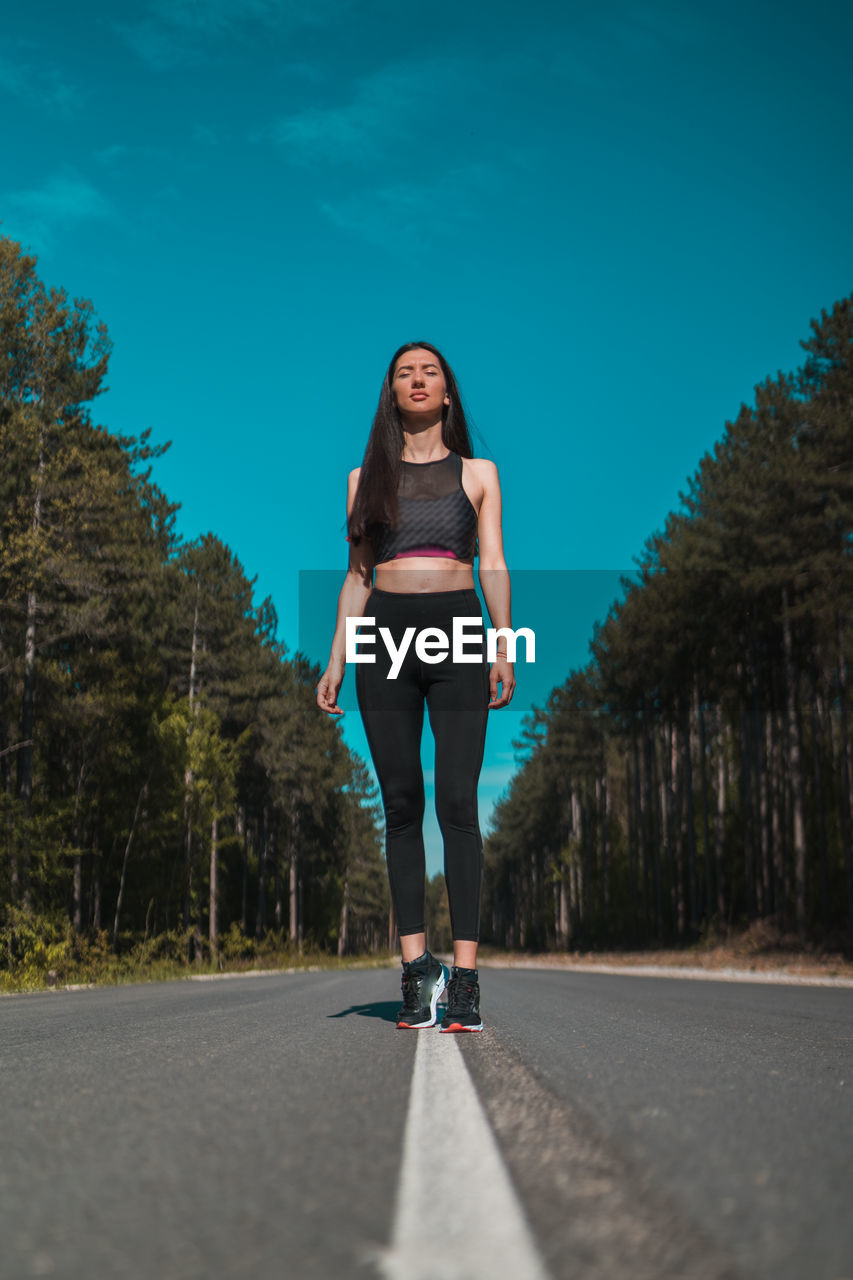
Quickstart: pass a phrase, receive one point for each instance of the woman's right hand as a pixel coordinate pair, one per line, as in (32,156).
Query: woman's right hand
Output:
(328,689)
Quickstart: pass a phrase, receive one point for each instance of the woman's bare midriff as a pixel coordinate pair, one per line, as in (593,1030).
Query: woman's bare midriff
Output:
(425,574)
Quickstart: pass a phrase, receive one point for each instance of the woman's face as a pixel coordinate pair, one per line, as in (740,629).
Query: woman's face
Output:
(417,383)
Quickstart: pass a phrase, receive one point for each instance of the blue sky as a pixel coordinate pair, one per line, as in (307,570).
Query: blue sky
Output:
(615,220)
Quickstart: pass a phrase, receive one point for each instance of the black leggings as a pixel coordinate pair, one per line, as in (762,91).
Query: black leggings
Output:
(457,697)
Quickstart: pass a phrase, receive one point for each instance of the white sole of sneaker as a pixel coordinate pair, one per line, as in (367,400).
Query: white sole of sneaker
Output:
(457,1026)
(439,990)
(433,1017)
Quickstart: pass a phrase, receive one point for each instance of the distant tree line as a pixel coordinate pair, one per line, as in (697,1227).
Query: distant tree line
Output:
(164,769)
(695,775)
(163,766)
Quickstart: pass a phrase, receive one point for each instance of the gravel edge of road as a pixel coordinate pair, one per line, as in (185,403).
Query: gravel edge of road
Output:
(694,972)
(630,968)
(192,977)
(600,1215)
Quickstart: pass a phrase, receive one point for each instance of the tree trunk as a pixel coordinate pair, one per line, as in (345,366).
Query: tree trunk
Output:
(691,818)
(795,761)
(631,834)
(575,878)
(720,815)
(139,802)
(564,913)
(706,822)
(667,804)
(188,775)
(77,838)
(642,831)
(6,752)
(96,886)
(758,773)
(188,847)
(77,894)
(768,846)
(212,933)
(601,783)
(651,821)
(260,918)
(846,773)
(746,815)
(278,908)
(776,775)
(294,897)
(342,932)
(820,812)
(243,836)
(677,830)
(534,885)
(25,755)
(293,865)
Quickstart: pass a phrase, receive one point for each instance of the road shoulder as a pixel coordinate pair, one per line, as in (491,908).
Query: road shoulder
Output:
(597,1215)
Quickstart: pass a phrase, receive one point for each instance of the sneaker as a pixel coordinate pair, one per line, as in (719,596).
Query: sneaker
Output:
(463,1002)
(424,980)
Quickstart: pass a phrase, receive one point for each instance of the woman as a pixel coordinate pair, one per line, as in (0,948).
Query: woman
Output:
(416,510)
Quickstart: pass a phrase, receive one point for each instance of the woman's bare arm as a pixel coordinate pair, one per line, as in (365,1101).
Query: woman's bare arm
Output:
(356,588)
(494,579)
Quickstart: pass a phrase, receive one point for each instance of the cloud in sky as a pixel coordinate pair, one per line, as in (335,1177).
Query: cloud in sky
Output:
(12,77)
(215,17)
(39,85)
(383,110)
(221,17)
(403,114)
(45,210)
(510,94)
(410,138)
(156,45)
(470,129)
(390,214)
(112,154)
(173,33)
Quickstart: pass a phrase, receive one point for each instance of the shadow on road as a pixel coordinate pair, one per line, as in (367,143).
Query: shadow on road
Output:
(384,1009)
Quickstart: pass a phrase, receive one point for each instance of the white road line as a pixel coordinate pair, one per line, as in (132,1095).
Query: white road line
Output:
(458,1217)
(685,971)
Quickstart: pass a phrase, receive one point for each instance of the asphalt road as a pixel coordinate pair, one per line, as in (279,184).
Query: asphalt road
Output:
(650,1127)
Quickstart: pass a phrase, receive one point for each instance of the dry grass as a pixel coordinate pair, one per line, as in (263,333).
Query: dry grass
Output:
(762,948)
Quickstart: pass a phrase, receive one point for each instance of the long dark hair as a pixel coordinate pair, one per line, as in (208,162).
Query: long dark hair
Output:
(376,496)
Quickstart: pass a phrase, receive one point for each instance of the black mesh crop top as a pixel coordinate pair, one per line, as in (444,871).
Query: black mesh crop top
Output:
(436,514)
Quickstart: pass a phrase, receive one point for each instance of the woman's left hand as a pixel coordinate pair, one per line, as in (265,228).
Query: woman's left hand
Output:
(502,674)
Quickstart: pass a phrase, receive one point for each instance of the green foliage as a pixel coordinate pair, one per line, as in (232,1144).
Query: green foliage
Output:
(696,775)
(163,765)
(171,799)
(39,953)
